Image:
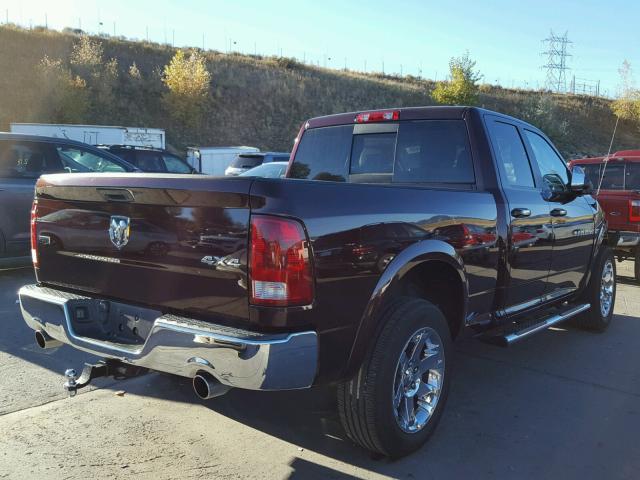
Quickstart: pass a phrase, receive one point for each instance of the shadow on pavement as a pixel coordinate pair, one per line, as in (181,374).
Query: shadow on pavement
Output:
(530,411)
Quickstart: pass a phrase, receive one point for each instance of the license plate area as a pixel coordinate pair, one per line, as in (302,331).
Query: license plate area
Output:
(115,322)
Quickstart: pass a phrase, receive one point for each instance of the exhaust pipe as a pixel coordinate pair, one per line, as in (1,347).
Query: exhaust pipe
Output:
(45,341)
(207,386)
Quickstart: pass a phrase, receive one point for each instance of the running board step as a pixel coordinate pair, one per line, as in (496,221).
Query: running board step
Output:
(508,335)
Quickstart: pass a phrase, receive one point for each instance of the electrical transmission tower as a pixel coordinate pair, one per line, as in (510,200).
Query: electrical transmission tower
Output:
(555,51)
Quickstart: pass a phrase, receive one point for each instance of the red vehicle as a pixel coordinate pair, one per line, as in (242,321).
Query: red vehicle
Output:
(617,189)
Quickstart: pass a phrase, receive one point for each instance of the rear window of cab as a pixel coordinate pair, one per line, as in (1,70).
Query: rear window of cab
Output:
(420,151)
(616,176)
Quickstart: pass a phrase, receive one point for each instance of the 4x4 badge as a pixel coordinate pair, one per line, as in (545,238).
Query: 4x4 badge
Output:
(119,231)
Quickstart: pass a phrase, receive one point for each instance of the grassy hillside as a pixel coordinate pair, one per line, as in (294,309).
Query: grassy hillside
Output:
(262,101)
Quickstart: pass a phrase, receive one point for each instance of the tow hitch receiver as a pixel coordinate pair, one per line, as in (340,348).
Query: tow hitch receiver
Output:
(103,368)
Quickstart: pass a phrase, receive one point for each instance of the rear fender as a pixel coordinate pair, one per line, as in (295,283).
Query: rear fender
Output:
(415,255)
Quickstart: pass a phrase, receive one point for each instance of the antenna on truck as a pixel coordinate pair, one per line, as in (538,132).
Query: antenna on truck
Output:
(606,159)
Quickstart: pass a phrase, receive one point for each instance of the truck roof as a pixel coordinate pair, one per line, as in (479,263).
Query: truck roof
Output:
(409,113)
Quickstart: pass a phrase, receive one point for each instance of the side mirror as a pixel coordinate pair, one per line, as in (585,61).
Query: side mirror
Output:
(579,183)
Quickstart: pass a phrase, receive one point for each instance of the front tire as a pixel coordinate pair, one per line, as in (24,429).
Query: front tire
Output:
(396,399)
(600,293)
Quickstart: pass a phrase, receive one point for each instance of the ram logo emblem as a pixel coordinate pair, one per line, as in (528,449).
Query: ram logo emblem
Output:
(119,231)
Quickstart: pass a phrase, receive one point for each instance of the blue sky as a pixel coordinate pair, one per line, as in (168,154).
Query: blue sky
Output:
(504,37)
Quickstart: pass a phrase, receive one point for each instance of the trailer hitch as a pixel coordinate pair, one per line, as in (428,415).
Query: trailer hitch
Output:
(104,368)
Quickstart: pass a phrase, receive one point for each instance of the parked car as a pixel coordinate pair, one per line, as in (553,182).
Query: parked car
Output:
(147,159)
(267,170)
(618,192)
(270,317)
(23,158)
(247,161)
(214,160)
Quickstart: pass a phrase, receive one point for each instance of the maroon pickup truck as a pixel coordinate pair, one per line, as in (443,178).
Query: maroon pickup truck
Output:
(392,232)
(618,192)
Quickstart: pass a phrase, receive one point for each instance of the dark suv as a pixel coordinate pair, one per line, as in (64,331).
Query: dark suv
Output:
(150,159)
(23,158)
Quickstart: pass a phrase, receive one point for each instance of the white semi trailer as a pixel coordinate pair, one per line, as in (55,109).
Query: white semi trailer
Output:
(96,134)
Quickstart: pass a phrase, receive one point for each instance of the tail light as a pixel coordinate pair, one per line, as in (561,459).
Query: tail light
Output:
(279,263)
(634,210)
(380,116)
(34,234)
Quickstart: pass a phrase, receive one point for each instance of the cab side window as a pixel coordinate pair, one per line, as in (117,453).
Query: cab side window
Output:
(511,155)
(552,168)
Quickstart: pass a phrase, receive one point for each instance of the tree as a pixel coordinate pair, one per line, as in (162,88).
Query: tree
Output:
(627,106)
(187,80)
(63,96)
(462,87)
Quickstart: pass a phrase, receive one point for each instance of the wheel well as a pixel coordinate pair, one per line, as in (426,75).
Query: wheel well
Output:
(439,283)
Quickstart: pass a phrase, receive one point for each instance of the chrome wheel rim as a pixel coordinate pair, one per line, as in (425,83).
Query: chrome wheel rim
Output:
(607,288)
(418,380)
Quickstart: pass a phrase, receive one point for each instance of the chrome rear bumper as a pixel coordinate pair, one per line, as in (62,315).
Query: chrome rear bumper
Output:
(183,346)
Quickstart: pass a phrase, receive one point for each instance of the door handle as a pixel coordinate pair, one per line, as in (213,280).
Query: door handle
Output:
(520,212)
(558,212)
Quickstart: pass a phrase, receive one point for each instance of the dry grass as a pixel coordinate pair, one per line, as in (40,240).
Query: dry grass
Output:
(262,101)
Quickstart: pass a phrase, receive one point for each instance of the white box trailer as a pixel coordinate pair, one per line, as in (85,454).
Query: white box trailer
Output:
(96,134)
(215,160)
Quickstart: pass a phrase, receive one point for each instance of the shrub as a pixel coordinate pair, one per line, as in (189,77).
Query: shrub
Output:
(462,88)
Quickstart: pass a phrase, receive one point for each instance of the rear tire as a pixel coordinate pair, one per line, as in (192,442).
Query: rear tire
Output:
(637,265)
(394,402)
(600,293)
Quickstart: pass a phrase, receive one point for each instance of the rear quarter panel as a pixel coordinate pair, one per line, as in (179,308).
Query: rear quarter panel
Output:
(353,226)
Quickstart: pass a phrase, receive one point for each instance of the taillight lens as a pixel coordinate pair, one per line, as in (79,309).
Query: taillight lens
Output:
(634,210)
(34,234)
(381,116)
(279,263)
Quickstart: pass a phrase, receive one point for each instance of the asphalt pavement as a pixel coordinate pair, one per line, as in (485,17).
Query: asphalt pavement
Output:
(563,404)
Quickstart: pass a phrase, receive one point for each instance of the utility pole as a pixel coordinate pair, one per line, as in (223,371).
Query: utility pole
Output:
(6,16)
(365,65)
(173,38)
(79,23)
(46,21)
(114,29)
(555,50)
(400,70)
(147,33)
(203,42)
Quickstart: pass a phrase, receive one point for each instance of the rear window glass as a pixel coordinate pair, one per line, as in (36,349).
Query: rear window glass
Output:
(633,176)
(373,153)
(433,151)
(613,178)
(247,161)
(429,151)
(323,154)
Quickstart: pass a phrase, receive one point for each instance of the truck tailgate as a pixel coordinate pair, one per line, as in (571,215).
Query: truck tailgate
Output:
(177,243)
